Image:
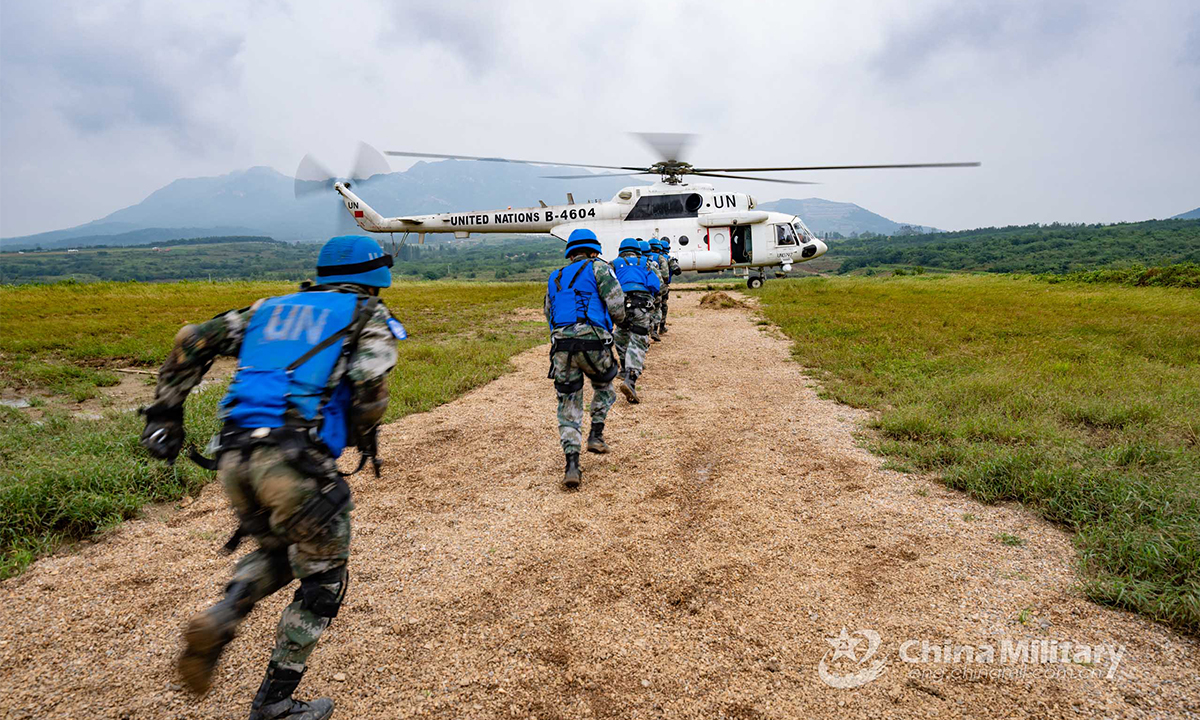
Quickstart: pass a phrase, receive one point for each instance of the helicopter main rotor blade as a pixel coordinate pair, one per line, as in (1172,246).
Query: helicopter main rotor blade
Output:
(595,175)
(750,177)
(667,146)
(312,177)
(368,163)
(840,167)
(439,156)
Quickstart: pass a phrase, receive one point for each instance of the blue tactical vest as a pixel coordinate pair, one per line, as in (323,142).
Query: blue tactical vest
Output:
(634,274)
(575,297)
(289,350)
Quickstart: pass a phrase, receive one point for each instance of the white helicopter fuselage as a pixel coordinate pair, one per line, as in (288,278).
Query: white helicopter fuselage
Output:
(707,230)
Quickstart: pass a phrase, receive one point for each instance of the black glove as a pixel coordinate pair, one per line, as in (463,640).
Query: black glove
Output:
(163,436)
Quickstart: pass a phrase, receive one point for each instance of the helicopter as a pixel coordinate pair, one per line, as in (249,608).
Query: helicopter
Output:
(707,230)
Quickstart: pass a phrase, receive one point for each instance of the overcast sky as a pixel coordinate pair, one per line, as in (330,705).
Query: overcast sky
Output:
(1079,111)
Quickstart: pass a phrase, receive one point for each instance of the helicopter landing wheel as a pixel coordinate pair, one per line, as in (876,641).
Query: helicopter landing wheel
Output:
(754,282)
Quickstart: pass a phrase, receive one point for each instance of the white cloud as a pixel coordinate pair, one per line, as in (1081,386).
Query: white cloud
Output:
(1078,111)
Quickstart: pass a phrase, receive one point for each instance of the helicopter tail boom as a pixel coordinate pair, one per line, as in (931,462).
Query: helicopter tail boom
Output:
(363,214)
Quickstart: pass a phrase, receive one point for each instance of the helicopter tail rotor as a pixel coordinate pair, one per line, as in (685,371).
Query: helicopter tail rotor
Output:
(368,163)
(312,176)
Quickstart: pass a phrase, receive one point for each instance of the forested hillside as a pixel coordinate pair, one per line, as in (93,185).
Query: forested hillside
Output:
(1029,248)
(254,258)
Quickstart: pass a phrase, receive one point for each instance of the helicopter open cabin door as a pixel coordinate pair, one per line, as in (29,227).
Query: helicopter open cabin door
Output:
(741,245)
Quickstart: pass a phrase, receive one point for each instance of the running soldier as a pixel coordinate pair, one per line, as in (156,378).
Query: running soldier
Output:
(640,285)
(656,312)
(582,301)
(670,266)
(312,378)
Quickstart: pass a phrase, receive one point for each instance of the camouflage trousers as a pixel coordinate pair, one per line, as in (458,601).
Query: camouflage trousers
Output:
(662,301)
(657,316)
(568,370)
(632,346)
(265,486)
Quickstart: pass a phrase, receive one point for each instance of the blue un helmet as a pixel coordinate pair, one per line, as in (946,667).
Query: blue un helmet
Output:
(658,245)
(582,239)
(644,247)
(354,259)
(629,244)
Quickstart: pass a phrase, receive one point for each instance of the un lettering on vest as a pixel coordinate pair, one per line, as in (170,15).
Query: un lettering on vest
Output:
(289,322)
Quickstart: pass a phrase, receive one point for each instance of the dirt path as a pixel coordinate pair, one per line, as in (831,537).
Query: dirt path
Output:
(699,573)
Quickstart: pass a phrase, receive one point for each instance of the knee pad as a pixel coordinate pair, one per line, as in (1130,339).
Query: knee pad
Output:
(567,388)
(317,598)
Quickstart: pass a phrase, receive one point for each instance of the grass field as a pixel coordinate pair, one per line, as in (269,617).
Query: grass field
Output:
(64,478)
(1080,401)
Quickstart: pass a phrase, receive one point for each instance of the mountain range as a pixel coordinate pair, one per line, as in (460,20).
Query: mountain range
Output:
(260,201)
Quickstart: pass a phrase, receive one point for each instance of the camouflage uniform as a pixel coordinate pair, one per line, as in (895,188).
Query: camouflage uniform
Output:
(665,294)
(266,490)
(631,347)
(656,314)
(568,369)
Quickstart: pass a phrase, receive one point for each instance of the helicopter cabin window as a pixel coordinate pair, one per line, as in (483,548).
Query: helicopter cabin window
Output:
(665,207)
(785,235)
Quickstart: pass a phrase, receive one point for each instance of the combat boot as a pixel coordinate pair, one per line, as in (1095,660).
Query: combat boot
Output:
(573,475)
(626,386)
(596,442)
(662,329)
(274,698)
(209,632)
(654,334)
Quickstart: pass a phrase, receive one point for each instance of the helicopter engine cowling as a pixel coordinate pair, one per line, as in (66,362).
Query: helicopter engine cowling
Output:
(701,260)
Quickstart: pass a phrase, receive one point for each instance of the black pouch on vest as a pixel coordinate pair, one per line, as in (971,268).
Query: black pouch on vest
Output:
(638,299)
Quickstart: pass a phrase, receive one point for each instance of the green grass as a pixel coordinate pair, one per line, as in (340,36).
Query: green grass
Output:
(1081,401)
(64,478)
(1185,275)
(1009,539)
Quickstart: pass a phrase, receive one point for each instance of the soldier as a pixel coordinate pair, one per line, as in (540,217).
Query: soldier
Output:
(312,378)
(640,284)
(582,301)
(670,268)
(648,248)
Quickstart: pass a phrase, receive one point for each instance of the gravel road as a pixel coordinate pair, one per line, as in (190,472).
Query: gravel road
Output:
(701,571)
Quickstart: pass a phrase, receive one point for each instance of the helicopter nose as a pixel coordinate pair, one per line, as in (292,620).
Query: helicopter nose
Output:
(814,249)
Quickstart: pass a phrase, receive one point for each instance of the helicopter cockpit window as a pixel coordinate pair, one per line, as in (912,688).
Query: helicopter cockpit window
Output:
(785,235)
(665,207)
(803,232)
